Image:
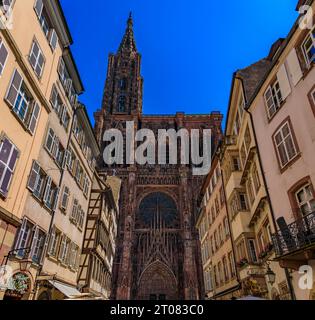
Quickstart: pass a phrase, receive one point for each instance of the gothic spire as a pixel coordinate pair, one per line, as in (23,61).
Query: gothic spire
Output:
(128,43)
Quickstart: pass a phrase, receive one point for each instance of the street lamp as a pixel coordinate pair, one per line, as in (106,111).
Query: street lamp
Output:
(270,276)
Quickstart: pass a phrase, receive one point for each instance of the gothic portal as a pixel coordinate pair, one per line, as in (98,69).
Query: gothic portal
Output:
(157,254)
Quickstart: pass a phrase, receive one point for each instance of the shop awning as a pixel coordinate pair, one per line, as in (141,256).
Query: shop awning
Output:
(67,290)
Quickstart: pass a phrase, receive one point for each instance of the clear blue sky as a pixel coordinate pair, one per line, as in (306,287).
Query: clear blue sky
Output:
(190,49)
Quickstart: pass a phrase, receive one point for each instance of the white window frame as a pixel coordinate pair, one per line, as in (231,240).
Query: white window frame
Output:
(305,51)
(283,141)
(37,58)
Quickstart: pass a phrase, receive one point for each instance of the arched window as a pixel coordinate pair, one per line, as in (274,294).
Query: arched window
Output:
(158,208)
(123,84)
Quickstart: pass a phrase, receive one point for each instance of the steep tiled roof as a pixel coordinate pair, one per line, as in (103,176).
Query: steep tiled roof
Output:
(253,75)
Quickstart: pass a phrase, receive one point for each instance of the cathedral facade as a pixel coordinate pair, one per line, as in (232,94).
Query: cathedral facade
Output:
(158,252)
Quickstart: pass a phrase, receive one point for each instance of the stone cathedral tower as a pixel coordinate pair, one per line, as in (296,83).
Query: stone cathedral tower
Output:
(157,253)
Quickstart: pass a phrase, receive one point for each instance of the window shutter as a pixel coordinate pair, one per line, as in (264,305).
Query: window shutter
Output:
(65,161)
(3,55)
(15,86)
(54,97)
(56,199)
(284,83)
(34,118)
(64,114)
(21,233)
(294,67)
(45,247)
(34,242)
(51,241)
(47,190)
(68,87)
(39,7)
(32,180)
(61,67)
(53,39)
(55,149)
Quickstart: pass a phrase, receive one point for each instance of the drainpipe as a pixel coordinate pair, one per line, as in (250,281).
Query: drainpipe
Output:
(287,273)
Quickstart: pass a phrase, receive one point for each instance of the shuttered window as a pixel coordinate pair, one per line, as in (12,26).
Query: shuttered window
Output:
(273,99)
(3,56)
(37,59)
(285,145)
(23,105)
(8,159)
(65,198)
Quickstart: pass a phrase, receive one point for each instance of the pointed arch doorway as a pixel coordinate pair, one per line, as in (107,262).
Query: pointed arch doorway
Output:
(157,283)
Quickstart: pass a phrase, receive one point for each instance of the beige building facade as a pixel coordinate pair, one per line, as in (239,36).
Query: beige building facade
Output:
(283,112)
(219,268)
(48,153)
(250,215)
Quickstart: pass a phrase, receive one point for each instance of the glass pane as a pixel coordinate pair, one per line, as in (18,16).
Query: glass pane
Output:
(13,159)
(6,147)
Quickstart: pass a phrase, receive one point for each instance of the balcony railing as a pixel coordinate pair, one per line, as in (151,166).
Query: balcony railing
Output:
(295,236)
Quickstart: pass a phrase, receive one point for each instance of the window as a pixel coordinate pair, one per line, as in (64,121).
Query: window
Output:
(217,206)
(243,202)
(42,187)
(122,104)
(8,159)
(243,155)
(64,250)
(75,211)
(225,269)
(273,99)
(38,245)
(37,59)
(45,24)
(123,84)
(232,264)
(65,199)
(305,199)
(66,81)
(74,256)
(256,178)
(60,108)
(248,139)
(86,185)
(81,216)
(237,124)
(55,148)
(226,227)
(19,99)
(285,145)
(221,238)
(252,250)
(250,190)
(236,164)
(309,47)
(54,242)
(24,238)
(3,56)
